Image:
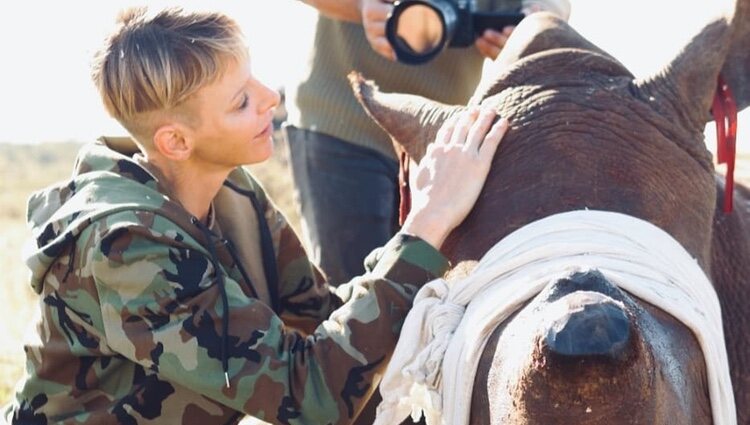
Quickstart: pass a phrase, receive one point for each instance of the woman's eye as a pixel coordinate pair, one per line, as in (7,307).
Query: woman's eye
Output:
(244,102)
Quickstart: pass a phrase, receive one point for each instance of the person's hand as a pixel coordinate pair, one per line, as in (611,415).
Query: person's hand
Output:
(374,14)
(491,42)
(452,173)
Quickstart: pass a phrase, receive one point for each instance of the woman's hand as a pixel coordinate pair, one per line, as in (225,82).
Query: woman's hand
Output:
(451,175)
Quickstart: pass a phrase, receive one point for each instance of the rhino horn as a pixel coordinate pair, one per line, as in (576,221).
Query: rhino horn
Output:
(411,121)
(689,79)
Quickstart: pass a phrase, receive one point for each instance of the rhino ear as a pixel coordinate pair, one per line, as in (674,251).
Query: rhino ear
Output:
(411,121)
(689,80)
(736,69)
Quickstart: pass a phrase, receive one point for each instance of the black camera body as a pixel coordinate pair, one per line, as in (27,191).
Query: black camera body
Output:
(464,32)
(459,24)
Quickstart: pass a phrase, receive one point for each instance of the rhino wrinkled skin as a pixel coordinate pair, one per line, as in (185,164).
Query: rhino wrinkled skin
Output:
(585,133)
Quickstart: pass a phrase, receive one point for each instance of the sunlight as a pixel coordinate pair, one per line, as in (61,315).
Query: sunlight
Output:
(47,48)
(47,94)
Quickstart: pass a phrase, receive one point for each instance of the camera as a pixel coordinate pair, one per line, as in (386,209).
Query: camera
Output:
(418,30)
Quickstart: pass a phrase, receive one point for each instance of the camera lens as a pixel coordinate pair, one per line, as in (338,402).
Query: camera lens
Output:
(416,29)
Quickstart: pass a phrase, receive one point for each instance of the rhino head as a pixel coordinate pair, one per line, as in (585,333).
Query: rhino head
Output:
(595,134)
(585,133)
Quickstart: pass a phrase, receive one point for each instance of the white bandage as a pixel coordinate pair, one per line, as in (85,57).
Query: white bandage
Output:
(434,364)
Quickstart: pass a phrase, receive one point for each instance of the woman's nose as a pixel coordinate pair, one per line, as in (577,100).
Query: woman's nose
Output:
(271,98)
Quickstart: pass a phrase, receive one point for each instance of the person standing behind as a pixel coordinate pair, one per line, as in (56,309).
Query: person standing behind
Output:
(343,165)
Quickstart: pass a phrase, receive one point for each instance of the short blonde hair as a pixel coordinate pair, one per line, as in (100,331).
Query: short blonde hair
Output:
(153,63)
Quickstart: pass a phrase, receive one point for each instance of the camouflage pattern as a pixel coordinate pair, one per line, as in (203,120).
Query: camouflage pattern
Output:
(131,296)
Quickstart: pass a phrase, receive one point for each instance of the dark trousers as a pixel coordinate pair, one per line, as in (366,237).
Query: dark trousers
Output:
(348,196)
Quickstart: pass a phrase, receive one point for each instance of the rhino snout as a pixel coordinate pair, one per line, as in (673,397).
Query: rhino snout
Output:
(586,323)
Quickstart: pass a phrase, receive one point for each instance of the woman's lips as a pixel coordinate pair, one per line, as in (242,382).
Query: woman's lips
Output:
(266,131)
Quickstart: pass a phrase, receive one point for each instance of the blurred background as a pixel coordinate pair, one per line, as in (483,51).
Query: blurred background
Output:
(48,106)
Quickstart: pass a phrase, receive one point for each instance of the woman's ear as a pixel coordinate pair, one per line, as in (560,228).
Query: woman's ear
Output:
(173,142)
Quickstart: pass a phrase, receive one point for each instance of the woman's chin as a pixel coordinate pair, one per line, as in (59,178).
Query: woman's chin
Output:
(262,149)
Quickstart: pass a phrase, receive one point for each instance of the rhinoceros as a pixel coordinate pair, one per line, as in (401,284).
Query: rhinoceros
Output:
(586,134)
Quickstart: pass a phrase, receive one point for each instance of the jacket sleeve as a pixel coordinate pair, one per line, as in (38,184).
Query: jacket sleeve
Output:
(162,308)
(306,298)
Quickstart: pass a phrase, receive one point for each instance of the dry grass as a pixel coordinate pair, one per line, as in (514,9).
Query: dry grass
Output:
(23,169)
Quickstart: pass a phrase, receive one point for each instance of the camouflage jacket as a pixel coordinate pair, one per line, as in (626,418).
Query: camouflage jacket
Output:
(147,316)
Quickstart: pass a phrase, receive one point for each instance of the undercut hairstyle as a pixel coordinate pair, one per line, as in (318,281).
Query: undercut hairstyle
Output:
(152,63)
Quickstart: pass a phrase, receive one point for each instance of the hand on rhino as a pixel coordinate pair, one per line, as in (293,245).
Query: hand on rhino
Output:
(452,173)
